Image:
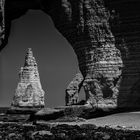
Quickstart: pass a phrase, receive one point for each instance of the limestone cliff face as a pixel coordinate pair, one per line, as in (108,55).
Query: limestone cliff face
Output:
(29,92)
(105,37)
(125,25)
(87,28)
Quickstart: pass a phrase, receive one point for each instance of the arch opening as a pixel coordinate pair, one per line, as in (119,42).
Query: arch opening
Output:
(55,57)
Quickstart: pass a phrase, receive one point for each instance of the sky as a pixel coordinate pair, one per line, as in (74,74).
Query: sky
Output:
(57,62)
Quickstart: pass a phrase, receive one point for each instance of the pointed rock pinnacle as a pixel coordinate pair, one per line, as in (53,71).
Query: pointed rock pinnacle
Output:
(29,59)
(29,92)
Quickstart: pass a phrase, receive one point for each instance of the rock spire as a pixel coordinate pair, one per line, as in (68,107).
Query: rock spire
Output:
(29,92)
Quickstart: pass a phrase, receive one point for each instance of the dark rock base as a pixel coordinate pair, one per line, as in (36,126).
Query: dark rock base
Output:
(17,131)
(20,110)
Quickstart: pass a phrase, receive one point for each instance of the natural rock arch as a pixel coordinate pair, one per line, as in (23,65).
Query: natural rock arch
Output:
(100,41)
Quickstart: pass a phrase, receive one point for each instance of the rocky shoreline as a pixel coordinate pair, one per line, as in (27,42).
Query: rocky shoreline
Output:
(19,126)
(31,124)
(48,131)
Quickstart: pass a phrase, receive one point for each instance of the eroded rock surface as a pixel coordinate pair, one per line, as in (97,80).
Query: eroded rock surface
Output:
(29,92)
(86,25)
(72,91)
(105,37)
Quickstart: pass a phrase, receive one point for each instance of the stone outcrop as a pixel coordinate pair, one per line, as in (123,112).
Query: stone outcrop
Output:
(105,37)
(99,59)
(125,25)
(73,89)
(29,92)
(67,131)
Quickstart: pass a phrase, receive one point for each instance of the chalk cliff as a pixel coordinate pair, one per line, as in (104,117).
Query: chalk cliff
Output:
(105,37)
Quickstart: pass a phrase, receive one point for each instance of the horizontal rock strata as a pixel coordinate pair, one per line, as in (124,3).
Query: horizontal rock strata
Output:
(100,61)
(29,92)
(105,37)
(126,29)
(73,89)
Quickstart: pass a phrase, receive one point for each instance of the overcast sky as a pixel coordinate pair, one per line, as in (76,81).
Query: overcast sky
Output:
(56,59)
